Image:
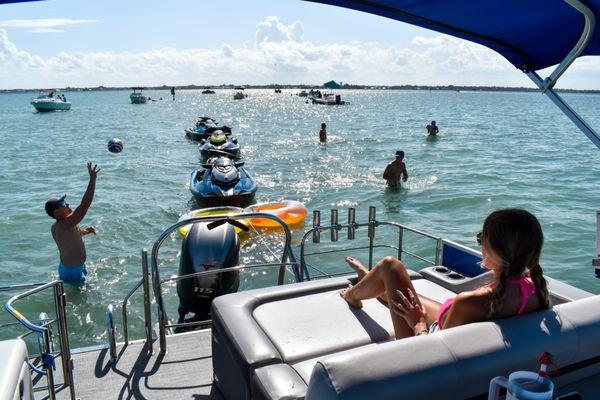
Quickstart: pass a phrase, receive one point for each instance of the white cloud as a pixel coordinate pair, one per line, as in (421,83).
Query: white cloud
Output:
(279,54)
(43,23)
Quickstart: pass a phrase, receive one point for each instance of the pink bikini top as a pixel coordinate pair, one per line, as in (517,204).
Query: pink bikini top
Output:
(526,286)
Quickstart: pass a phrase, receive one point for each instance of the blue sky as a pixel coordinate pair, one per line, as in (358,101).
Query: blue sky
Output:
(88,43)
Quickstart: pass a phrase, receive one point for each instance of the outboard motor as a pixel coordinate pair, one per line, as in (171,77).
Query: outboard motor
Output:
(205,249)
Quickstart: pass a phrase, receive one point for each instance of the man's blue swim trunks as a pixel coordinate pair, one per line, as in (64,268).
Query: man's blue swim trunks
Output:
(72,274)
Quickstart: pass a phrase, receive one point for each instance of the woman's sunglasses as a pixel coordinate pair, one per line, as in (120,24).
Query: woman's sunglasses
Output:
(479,237)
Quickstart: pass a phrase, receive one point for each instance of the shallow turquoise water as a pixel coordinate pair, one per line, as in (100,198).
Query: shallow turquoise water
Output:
(495,150)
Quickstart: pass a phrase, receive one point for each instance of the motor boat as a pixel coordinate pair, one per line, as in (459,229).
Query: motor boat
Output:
(137,97)
(239,96)
(277,90)
(219,144)
(329,100)
(223,181)
(208,91)
(301,340)
(52,101)
(303,93)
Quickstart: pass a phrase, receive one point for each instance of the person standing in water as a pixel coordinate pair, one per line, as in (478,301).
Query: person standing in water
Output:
(396,170)
(432,129)
(323,133)
(68,235)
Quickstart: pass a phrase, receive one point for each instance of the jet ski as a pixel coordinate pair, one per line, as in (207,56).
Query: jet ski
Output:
(223,181)
(219,141)
(204,127)
(208,246)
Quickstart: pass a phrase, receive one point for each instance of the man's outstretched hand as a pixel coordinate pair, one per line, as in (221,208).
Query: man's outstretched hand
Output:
(88,230)
(93,170)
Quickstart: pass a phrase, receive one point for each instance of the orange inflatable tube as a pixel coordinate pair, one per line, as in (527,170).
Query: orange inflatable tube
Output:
(290,211)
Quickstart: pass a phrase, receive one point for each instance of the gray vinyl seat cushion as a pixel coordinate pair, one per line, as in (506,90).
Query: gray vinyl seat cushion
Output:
(298,340)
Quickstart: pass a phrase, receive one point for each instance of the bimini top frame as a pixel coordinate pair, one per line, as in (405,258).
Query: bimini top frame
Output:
(549,33)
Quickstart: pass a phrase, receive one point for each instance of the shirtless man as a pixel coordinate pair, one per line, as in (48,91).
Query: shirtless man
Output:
(323,133)
(432,129)
(68,235)
(395,170)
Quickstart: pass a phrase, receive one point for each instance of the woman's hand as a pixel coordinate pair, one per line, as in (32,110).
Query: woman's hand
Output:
(410,309)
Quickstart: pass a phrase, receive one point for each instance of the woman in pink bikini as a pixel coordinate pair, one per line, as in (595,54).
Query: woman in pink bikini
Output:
(511,242)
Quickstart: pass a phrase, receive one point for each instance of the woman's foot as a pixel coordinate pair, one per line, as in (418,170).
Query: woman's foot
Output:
(347,295)
(356,265)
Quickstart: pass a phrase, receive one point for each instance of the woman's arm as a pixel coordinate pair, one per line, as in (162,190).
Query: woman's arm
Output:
(467,307)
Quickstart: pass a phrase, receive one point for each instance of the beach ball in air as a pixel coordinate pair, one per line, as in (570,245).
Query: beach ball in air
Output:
(115,145)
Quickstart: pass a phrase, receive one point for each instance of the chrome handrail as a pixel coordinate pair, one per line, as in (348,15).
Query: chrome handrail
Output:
(371,224)
(287,254)
(44,331)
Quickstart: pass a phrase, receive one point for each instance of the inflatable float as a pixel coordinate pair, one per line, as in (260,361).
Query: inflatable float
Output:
(290,211)
(210,212)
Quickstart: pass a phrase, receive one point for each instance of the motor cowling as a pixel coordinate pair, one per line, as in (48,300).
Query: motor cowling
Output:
(224,172)
(206,249)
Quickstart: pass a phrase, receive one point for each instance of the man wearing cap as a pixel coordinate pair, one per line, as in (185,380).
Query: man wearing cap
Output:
(66,231)
(395,170)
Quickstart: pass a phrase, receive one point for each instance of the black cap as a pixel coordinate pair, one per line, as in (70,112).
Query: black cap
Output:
(53,204)
(399,153)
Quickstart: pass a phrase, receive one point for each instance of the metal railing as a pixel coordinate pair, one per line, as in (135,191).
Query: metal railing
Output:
(372,224)
(47,351)
(287,259)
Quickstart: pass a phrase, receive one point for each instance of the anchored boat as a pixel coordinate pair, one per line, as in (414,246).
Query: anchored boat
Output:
(51,101)
(137,97)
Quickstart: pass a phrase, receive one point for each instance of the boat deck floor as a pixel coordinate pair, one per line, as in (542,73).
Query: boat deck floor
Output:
(184,372)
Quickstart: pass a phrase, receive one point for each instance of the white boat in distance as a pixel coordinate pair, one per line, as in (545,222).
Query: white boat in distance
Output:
(137,97)
(52,101)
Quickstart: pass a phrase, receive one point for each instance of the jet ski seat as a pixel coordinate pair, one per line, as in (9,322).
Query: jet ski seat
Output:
(303,341)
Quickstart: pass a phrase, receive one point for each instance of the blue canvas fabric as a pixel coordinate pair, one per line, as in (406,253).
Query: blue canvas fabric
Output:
(530,34)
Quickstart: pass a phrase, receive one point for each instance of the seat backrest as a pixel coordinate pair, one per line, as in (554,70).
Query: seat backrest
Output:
(458,363)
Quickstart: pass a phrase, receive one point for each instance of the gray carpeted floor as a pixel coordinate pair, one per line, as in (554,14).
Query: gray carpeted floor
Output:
(184,372)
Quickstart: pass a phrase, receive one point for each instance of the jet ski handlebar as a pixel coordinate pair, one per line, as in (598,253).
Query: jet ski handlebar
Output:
(219,222)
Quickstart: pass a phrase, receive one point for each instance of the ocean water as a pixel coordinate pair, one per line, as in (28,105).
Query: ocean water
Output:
(495,150)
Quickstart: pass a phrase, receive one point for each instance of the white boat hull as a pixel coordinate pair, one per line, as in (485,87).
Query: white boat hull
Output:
(51,105)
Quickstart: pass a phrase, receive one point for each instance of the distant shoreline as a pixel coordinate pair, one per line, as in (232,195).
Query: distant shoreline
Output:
(301,87)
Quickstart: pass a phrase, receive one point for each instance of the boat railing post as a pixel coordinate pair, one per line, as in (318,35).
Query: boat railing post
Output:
(65,349)
(47,367)
(351,223)
(400,241)
(596,261)
(162,334)
(371,233)
(316,225)
(438,251)
(147,313)
(334,225)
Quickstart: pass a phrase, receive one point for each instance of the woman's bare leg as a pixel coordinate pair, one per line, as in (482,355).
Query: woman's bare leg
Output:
(386,277)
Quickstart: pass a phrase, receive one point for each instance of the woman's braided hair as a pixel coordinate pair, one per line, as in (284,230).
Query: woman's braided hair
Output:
(516,237)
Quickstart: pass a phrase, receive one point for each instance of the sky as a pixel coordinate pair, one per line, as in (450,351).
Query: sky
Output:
(82,43)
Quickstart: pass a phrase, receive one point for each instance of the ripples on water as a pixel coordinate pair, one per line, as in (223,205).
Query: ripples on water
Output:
(495,150)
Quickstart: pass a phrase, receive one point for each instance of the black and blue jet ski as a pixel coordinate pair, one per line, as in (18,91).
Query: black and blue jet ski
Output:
(223,181)
(204,127)
(220,142)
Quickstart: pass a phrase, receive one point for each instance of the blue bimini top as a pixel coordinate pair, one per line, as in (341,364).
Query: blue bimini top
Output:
(530,34)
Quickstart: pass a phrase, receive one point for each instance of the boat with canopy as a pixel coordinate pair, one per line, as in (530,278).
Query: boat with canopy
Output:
(300,340)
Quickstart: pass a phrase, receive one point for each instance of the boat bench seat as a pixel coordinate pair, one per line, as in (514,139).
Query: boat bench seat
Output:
(303,341)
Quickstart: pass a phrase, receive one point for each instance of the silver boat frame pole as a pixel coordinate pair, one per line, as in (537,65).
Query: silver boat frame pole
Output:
(547,85)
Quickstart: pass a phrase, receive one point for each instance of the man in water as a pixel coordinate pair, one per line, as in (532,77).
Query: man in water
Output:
(432,129)
(395,170)
(323,133)
(68,235)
